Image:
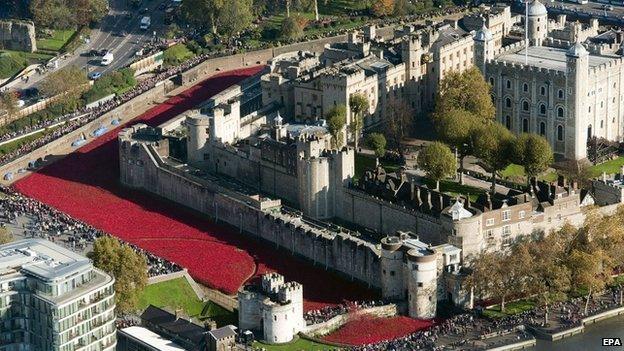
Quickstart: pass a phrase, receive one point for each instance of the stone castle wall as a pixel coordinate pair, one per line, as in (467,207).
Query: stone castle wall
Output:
(17,35)
(141,167)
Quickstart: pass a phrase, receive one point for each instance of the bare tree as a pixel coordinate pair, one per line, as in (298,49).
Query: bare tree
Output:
(398,124)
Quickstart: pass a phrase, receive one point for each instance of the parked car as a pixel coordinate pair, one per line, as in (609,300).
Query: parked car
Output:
(95,75)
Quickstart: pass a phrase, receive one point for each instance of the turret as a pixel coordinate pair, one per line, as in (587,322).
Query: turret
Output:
(422,283)
(484,47)
(197,131)
(578,129)
(537,22)
(391,263)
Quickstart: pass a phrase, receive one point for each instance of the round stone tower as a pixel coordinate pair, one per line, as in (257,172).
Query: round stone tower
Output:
(537,22)
(422,283)
(392,279)
(197,127)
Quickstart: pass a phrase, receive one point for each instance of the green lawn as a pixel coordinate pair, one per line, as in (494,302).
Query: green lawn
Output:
(56,41)
(515,173)
(364,163)
(611,167)
(297,345)
(177,54)
(453,188)
(177,293)
(9,147)
(511,308)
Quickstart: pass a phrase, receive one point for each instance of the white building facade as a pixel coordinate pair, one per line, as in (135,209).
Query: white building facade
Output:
(53,299)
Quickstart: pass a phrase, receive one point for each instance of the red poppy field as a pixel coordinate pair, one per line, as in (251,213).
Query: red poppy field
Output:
(85,185)
(367,329)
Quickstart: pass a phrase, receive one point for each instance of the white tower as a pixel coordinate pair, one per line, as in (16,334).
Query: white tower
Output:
(423,297)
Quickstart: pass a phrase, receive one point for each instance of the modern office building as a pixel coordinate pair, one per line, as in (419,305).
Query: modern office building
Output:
(53,299)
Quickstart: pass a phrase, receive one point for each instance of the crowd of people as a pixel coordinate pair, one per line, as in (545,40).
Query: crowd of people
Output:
(38,220)
(328,312)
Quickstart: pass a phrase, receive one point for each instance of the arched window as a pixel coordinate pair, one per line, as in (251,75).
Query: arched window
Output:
(542,109)
(525,105)
(601,124)
(589,132)
(560,132)
(560,94)
(560,112)
(508,122)
(542,128)
(492,81)
(525,125)
(525,87)
(543,90)
(508,84)
(507,102)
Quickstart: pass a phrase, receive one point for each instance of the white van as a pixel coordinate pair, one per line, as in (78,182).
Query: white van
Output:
(107,59)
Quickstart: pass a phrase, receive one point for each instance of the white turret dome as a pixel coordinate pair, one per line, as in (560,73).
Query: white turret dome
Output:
(577,50)
(278,120)
(536,8)
(483,34)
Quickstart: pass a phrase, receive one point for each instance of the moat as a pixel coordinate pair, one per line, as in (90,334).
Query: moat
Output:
(591,339)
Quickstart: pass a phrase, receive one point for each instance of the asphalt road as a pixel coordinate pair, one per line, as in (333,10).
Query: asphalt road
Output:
(104,36)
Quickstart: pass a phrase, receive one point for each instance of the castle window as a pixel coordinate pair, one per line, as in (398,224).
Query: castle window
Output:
(392,273)
(560,132)
(543,90)
(521,214)
(506,230)
(420,285)
(525,125)
(560,94)
(489,233)
(508,122)
(275,317)
(525,105)
(560,112)
(384,271)
(491,81)
(542,109)
(489,222)
(508,84)
(507,102)
(601,124)
(525,87)
(506,215)
(542,128)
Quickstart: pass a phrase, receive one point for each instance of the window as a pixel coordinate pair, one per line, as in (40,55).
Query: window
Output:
(508,122)
(560,132)
(525,105)
(506,215)
(542,91)
(542,128)
(560,112)
(491,81)
(521,214)
(489,233)
(489,222)
(508,84)
(507,102)
(525,87)
(525,125)
(560,94)
(506,230)
(542,109)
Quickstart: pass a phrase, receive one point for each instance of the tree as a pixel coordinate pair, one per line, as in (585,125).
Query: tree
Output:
(336,120)
(377,142)
(200,12)
(88,11)
(534,153)
(588,272)
(8,102)
(293,26)
(63,14)
(127,266)
(493,144)
(466,91)
(70,81)
(382,8)
(398,122)
(455,128)
(579,172)
(5,236)
(234,16)
(438,162)
(358,103)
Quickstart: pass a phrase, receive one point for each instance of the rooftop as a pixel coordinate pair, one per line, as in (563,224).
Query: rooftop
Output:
(549,58)
(150,338)
(41,258)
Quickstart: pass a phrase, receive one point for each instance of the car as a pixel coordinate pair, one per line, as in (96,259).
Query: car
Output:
(103,52)
(120,33)
(95,75)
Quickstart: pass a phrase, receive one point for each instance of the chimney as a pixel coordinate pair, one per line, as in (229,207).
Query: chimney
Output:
(467,202)
(429,206)
(417,197)
(412,190)
(441,199)
(488,200)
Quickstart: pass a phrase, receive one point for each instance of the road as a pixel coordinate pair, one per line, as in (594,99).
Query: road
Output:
(104,36)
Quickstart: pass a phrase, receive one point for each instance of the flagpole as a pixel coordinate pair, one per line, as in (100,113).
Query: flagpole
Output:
(526,32)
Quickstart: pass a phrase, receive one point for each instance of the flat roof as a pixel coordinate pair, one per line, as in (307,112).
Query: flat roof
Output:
(41,258)
(152,339)
(549,58)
